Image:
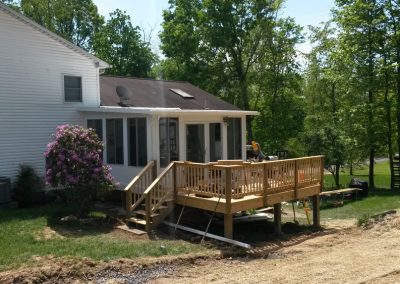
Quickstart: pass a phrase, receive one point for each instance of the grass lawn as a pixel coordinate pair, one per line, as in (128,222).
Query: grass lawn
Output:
(382,176)
(377,202)
(38,231)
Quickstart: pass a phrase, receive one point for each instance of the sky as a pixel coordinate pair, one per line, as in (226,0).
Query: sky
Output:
(147,14)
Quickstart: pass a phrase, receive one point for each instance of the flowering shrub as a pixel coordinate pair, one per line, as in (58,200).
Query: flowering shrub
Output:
(74,161)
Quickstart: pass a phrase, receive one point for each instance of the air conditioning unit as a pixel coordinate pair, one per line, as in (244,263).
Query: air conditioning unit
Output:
(5,190)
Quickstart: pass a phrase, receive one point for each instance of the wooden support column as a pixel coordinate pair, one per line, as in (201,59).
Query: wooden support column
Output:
(316,211)
(228,226)
(128,201)
(228,218)
(278,218)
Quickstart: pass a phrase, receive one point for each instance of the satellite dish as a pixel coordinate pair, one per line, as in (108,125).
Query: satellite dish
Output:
(124,93)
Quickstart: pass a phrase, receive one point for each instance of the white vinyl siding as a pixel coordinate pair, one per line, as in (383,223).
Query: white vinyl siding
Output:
(32,66)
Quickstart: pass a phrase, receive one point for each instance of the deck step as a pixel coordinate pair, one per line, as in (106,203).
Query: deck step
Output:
(143,213)
(137,221)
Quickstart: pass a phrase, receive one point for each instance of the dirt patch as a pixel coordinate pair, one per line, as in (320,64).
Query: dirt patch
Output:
(348,255)
(62,270)
(342,253)
(47,234)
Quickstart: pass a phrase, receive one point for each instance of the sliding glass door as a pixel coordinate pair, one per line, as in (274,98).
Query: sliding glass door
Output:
(195,148)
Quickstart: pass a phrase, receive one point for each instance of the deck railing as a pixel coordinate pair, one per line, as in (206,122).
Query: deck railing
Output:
(161,189)
(134,191)
(270,177)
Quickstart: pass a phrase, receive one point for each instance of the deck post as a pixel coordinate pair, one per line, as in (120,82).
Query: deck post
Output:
(228,226)
(174,181)
(316,211)
(128,201)
(265,183)
(278,218)
(228,221)
(148,211)
(154,170)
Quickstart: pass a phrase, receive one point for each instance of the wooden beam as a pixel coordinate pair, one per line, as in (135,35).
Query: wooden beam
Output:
(275,198)
(210,204)
(316,211)
(278,218)
(308,191)
(228,226)
(247,203)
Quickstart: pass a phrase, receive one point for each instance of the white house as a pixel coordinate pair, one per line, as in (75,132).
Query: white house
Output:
(46,81)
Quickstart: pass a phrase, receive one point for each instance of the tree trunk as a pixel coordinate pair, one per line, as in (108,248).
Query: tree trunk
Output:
(245,99)
(337,174)
(389,124)
(371,168)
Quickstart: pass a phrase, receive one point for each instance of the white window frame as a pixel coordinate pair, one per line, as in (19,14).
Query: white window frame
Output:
(63,88)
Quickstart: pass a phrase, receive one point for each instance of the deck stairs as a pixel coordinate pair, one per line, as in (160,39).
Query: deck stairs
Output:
(149,198)
(137,218)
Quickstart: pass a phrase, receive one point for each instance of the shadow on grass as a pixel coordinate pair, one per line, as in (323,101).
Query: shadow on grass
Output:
(255,233)
(96,223)
(384,192)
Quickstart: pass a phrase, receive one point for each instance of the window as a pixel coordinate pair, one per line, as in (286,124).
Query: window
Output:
(72,89)
(115,144)
(137,142)
(97,125)
(215,142)
(181,93)
(234,138)
(169,148)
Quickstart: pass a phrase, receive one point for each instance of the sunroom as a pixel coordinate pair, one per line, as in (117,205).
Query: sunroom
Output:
(141,120)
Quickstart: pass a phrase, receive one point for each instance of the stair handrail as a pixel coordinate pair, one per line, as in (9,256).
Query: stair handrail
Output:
(151,166)
(147,194)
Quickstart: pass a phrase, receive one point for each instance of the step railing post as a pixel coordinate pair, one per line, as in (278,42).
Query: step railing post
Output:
(128,201)
(154,170)
(147,198)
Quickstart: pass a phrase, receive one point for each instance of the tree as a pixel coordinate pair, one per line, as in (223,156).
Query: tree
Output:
(361,37)
(73,161)
(276,83)
(216,44)
(120,44)
(75,20)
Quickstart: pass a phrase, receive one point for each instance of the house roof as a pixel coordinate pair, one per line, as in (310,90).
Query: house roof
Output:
(98,62)
(148,93)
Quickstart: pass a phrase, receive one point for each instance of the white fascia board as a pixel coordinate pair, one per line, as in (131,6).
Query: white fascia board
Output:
(166,111)
(97,61)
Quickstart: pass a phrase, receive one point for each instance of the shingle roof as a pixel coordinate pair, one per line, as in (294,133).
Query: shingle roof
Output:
(157,93)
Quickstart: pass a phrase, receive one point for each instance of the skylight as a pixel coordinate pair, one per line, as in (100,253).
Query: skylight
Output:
(181,93)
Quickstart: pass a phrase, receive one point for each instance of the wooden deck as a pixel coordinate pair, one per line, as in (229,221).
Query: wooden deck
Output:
(231,186)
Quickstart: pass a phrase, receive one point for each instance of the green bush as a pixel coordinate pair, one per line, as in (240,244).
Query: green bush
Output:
(27,182)
(363,220)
